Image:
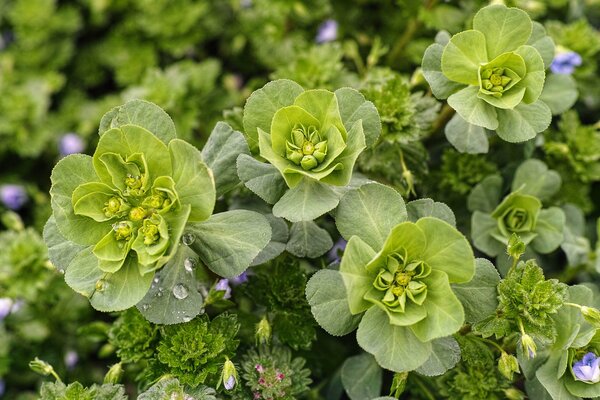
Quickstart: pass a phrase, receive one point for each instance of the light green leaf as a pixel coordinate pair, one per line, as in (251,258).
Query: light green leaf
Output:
(504,28)
(83,272)
(508,100)
(357,279)
(560,93)
(279,238)
(263,104)
(482,227)
(220,153)
(361,377)
(322,105)
(286,119)
(445,354)
(60,250)
(466,137)
(370,212)
(121,290)
(445,314)
(447,250)
(542,43)
(407,236)
(194,182)
(473,109)
(478,296)
(353,107)
(533,82)
(308,240)
(441,86)
(262,178)
(395,347)
(173,298)
(305,202)
(576,245)
(326,294)
(549,229)
(523,122)
(462,57)
(421,208)
(344,164)
(535,179)
(142,113)
(581,389)
(67,175)
(546,374)
(486,195)
(228,242)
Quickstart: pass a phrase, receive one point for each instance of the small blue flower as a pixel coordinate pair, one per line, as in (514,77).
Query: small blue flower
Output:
(230,383)
(13,196)
(238,280)
(70,143)
(335,253)
(223,284)
(588,369)
(327,31)
(71,359)
(565,62)
(2,387)
(5,307)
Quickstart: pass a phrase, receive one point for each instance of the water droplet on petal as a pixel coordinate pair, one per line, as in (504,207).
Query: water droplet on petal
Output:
(188,238)
(101,285)
(180,291)
(189,264)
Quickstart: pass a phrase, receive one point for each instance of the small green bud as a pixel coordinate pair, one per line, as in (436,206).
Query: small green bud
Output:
(123,230)
(114,374)
(133,182)
(591,315)
(515,247)
(486,74)
(137,214)
(496,80)
(508,365)
(308,148)
(308,162)
(43,368)
(12,221)
(263,331)
(150,232)
(505,80)
(498,71)
(398,384)
(229,375)
(514,394)
(528,346)
(487,84)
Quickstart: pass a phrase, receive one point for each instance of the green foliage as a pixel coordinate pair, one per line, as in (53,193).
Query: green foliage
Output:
(76,391)
(172,389)
(134,338)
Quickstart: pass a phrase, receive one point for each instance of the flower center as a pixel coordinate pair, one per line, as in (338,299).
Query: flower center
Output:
(123,230)
(115,205)
(494,80)
(306,147)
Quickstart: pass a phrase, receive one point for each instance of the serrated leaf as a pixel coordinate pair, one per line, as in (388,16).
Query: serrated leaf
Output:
(307,239)
(361,377)
(474,110)
(445,354)
(560,93)
(441,86)
(308,200)
(535,179)
(466,137)
(262,178)
(353,107)
(478,296)
(60,250)
(421,208)
(523,122)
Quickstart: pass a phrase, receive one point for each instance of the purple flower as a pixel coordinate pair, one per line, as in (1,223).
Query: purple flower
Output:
(2,387)
(70,143)
(588,369)
(335,253)
(13,196)
(5,307)
(238,280)
(71,359)
(223,284)
(327,31)
(230,383)
(565,62)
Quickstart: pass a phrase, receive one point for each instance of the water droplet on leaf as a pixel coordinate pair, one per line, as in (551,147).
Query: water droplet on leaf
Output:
(101,285)
(188,238)
(180,291)
(189,264)
(187,318)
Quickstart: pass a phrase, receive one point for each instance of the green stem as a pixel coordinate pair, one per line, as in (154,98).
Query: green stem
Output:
(488,341)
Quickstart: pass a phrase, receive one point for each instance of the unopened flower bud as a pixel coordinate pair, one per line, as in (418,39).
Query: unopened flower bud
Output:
(528,346)
(229,375)
(514,394)
(591,315)
(114,374)
(515,247)
(398,384)
(263,331)
(508,365)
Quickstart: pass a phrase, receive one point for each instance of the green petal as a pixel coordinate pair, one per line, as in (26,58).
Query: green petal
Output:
(113,250)
(335,146)
(473,109)
(542,43)
(119,169)
(89,200)
(278,161)
(462,57)
(441,86)
(357,279)
(405,236)
(284,121)
(323,105)
(341,176)
(353,107)
(149,254)
(533,82)
(483,227)
(504,28)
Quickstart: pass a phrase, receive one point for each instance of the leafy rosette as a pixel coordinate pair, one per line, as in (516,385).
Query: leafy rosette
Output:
(395,275)
(120,215)
(492,76)
(569,368)
(520,212)
(311,139)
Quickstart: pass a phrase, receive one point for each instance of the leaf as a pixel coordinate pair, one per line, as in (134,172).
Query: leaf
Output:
(279,238)
(546,375)
(262,178)
(486,195)
(421,208)
(441,86)
(353,107)
(142,113)
(308,200)
(473,109)
(395,347)
(83,272)
(447,250)
(478,296)
(576,246)
(549,229)
(523,122)
(354,272)
(308,240)
(560,93)
(228,242)
(533,82)
(445,314)
(370,212)
(445,354)
(462,57)
(220,153)
(173,297)
(504,28)
(326,294)
(262,105)
(542,43)
(482,227)
(466,137)
(194,182)
(535,179)
(60,250)
(362,377)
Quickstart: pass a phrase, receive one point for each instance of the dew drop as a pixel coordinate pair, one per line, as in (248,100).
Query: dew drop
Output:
(156,280)
(145,307)
(187,318)
(189,264)
(61,271)
(101,285)
(180,291)
(159,293)
(188,238)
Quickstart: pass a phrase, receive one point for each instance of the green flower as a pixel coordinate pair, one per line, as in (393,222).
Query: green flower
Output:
(493,75)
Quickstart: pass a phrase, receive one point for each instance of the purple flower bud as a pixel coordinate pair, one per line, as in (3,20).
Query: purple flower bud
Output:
(327,31)
(588,369)
(71,359)
(2,387)
(335,253)
(565,62)
(223,284)
(238,280)
(230,383)
(5,307)
(17,306)
(13,196)
(70,143)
